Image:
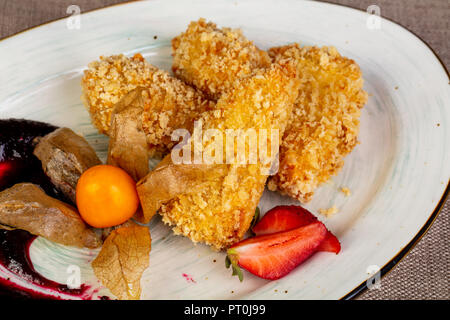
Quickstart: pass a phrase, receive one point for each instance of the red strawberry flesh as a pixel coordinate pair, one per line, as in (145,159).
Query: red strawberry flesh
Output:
(284,218)
(330,244)
(275,255)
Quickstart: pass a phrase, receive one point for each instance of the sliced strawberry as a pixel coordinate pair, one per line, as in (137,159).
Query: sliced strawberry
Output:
(284,218)
(330,244)
(275,255)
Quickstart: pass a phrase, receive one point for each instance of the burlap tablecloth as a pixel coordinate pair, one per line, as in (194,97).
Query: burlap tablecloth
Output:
(424,272)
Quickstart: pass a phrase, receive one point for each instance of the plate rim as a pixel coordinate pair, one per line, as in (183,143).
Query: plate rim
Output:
(393,262)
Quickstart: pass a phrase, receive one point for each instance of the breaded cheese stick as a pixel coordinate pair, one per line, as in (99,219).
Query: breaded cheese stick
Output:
(169,103)
(324,125)
(218,211)
(212,59)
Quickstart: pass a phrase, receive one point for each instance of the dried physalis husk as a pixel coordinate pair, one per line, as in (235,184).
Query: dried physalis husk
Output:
(26,206)
(128,143)
(123,259)
(65,156)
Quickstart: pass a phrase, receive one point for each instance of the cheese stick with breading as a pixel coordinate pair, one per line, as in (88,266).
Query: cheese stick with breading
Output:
(168,103)
(213,59)
(324,125)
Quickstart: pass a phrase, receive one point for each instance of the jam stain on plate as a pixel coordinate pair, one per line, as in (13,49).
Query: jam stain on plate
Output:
(15,257)
(18,164)
(188,278)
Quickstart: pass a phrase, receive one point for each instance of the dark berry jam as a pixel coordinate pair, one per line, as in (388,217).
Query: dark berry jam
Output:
(18,164)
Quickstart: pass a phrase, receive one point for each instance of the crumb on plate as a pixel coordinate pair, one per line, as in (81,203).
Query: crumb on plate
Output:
(346,191)
(328,212)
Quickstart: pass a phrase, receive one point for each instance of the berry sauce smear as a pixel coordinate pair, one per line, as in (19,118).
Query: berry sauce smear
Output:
(18,164)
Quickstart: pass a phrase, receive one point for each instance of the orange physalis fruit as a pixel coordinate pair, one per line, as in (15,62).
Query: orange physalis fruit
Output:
(106,196)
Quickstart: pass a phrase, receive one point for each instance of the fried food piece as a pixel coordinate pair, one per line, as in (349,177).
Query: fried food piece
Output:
(218,211)
(65,156)
(128,143)
(324,125)
(25,206)
(213,59)
(123,259)
(169,103)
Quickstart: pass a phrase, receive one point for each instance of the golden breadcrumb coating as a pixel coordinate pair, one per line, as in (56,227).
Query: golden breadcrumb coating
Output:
(324,125)
(169,103)
(212,59)
(220,212)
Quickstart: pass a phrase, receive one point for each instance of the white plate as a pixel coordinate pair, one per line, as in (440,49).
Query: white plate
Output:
(398,174)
